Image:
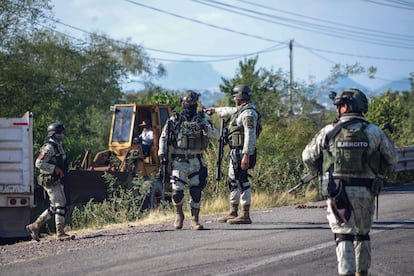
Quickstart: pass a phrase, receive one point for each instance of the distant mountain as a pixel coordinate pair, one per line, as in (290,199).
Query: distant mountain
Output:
(402,84)
(209,97)
(322,95)
(190,76)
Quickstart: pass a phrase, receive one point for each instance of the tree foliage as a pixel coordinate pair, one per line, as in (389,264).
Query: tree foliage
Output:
(60,81)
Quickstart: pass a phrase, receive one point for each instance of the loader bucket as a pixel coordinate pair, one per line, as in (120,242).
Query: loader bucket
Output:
(85,185)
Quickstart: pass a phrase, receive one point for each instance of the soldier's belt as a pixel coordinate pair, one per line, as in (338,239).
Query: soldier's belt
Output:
(356,181)
(187,156)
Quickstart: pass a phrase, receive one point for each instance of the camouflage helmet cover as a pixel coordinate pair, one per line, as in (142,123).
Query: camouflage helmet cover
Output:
(241,92)
(55,128)
(355,98)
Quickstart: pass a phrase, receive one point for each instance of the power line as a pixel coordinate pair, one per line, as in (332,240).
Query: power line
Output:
(354,28)
(405,5)
(355,55)
(331,31)
(220,58)
(203,23)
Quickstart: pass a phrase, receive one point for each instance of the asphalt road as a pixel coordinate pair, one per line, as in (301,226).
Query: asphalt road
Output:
(281,241)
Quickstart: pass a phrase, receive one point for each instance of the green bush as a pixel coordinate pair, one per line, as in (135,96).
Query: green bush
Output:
(124,204)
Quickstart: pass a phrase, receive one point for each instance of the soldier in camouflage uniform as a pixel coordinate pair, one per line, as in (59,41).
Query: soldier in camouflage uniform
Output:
(52,165)
(242,141)
(354,154)
(189,133)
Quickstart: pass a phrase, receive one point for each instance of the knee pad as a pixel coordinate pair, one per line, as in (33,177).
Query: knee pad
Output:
(232,184)
(58,210)
(244,186)
(362,237)
(195,193)
(177,196)
(343,237)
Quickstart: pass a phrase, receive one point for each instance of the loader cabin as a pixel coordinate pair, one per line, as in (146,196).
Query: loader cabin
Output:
(125,127)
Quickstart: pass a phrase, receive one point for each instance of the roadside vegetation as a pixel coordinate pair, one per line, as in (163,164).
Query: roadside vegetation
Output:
(60,79)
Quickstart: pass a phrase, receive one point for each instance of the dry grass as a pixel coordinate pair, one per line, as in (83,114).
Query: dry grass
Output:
(209,207)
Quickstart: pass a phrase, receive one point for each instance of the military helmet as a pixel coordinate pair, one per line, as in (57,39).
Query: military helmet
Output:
(355,98)
(55,128)
(241,92)
(189,97)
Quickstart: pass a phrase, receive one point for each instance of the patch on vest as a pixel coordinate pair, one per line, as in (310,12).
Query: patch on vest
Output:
(350,153)
(250,122)
(351,144)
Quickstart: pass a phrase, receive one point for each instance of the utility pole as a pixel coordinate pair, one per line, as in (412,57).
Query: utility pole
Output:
(290,77)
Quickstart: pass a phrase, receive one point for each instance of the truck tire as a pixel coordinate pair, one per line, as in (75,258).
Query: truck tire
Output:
(155,196)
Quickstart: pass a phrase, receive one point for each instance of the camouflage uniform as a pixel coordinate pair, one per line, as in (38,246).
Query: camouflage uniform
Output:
(352,233)
(189,134)
(242,140)
(246,119)
(51,156)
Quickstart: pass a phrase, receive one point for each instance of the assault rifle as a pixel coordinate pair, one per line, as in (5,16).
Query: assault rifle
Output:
(305,179)
(221,142)
(164,173)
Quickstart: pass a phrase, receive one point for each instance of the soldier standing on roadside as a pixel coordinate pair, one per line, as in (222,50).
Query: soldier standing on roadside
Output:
(242,141)
(189,133)
(52,165)
(354,153)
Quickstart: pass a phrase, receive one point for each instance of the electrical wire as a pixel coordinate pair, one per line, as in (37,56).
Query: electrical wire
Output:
(405,5)
(219,58)
(308,26)
(203,23)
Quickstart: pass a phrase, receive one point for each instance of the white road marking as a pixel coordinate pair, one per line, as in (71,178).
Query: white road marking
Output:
(295,253)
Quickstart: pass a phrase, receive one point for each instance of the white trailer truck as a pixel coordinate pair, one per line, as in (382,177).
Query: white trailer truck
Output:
(16,175)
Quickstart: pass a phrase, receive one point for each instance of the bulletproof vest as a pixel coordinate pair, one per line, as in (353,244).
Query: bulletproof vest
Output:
(349,153)
(236,133)
(58,159)
(189,134)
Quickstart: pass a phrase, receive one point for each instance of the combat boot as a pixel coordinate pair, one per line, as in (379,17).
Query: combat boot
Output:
(231,215)
(60,233)
(34,228)
(244,218)
(179,217)
(362,273)
(195,224)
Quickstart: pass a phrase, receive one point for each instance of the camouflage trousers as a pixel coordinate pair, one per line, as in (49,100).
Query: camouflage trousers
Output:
(354,256)
(240,193)
(187,170)
(57,199)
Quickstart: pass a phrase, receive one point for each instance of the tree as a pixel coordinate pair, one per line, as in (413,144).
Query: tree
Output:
(267,86)
(19,18)
(60,81)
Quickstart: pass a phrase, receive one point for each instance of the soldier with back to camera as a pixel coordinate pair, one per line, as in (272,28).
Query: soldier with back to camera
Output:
(355,154)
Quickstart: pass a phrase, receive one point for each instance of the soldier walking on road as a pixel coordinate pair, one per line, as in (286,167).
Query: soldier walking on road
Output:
(355,154)
(189,133)
(242,141)
(52,165)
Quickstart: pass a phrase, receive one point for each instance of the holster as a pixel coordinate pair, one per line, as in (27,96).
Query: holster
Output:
(340,203)
(377,185)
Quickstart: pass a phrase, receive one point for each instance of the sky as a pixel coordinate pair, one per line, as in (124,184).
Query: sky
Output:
(323,33)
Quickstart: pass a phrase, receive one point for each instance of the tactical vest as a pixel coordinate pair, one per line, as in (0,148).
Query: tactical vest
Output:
(349,153)
(188,135)
(47,180)
(236,133)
